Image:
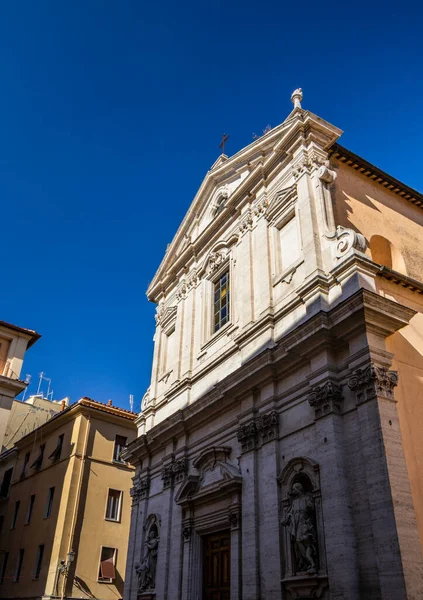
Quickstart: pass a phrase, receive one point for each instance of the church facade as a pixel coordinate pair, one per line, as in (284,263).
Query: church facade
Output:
(279,444)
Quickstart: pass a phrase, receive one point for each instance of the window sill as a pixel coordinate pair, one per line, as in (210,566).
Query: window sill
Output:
(109,581)
(112,520)
(287,275)
(225,330)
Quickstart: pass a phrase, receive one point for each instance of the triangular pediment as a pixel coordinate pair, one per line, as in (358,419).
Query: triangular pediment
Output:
(228,181)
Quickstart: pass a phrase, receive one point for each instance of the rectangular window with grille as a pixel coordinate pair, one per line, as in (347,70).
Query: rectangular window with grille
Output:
(221,301)
(114,499)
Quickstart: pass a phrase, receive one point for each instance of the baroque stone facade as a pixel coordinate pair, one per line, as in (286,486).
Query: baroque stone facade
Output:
(271,456)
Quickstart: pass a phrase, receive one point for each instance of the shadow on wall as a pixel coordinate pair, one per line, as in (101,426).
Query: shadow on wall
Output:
(385,253)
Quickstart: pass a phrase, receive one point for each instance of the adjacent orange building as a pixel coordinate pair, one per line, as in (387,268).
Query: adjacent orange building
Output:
(65,506)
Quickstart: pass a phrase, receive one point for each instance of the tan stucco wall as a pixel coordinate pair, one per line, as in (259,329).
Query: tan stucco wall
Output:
(367,207)
(81,488)
(372,210)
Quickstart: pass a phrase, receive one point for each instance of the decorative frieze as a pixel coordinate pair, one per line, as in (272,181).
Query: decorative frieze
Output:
(174,472)
(140,489)
(260,430)
(186,285)
(373,381)
(216,259)
(326,399)
(165,316)
(246,223)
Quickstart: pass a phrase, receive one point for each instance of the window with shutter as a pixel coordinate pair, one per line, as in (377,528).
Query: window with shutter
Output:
(55,455)
(106,572)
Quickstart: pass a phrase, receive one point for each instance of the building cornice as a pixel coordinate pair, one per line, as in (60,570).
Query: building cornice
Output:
(368,170)
(33,335)
(362,309)
(399,279)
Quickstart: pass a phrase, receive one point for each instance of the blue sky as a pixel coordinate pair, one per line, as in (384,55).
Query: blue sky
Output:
(110,115)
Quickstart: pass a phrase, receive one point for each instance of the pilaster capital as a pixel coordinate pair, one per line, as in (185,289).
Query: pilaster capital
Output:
(372,382)
(326,399)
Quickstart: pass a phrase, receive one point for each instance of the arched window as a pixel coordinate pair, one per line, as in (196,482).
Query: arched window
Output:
(386,254)
(220,204)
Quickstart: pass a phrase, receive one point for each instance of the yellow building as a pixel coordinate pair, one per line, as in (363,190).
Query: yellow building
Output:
(65,506)
(14,342)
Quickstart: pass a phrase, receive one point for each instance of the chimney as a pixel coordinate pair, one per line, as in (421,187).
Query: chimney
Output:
(63,405)
(109,403)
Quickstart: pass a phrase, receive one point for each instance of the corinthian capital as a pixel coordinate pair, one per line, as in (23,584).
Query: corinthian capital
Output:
(373,381)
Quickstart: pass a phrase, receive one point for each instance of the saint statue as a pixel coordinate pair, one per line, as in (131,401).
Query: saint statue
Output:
(300,520)
(146,570)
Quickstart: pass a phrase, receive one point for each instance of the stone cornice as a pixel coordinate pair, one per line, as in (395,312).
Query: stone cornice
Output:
(398,278)
(368,170)
(363,309)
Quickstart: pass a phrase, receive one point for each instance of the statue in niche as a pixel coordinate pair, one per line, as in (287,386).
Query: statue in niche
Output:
(146,570)
(301,522)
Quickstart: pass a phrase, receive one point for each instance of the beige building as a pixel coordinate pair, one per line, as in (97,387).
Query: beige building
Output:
(65,506)
(14,342)
(280,441)
(26,415)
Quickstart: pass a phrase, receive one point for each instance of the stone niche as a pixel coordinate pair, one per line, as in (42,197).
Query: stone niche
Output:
(302,533)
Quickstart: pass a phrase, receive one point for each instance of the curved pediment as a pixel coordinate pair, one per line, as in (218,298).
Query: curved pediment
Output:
(217,476)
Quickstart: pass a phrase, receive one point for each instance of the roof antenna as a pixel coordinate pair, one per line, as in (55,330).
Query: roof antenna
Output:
(131,402)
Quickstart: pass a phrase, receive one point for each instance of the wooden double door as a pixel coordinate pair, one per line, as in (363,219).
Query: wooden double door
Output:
(217,566)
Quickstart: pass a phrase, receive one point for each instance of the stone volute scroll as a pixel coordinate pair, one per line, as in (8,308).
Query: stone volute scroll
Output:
(146,569)
(302,529)
(372,381)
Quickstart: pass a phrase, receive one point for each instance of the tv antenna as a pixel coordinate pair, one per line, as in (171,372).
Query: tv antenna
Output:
(27,381)
(131,402)
(49,393)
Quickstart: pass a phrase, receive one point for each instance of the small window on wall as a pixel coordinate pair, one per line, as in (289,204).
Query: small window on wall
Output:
(113,507)
(30,509)
(39,460)
(49,504)
(5,486)
(106,571)
(221,301)
(289,243)
(39,561)
(3,566)
(18,567)
(25,464)
(15,514)
(120,444)
(55,455)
